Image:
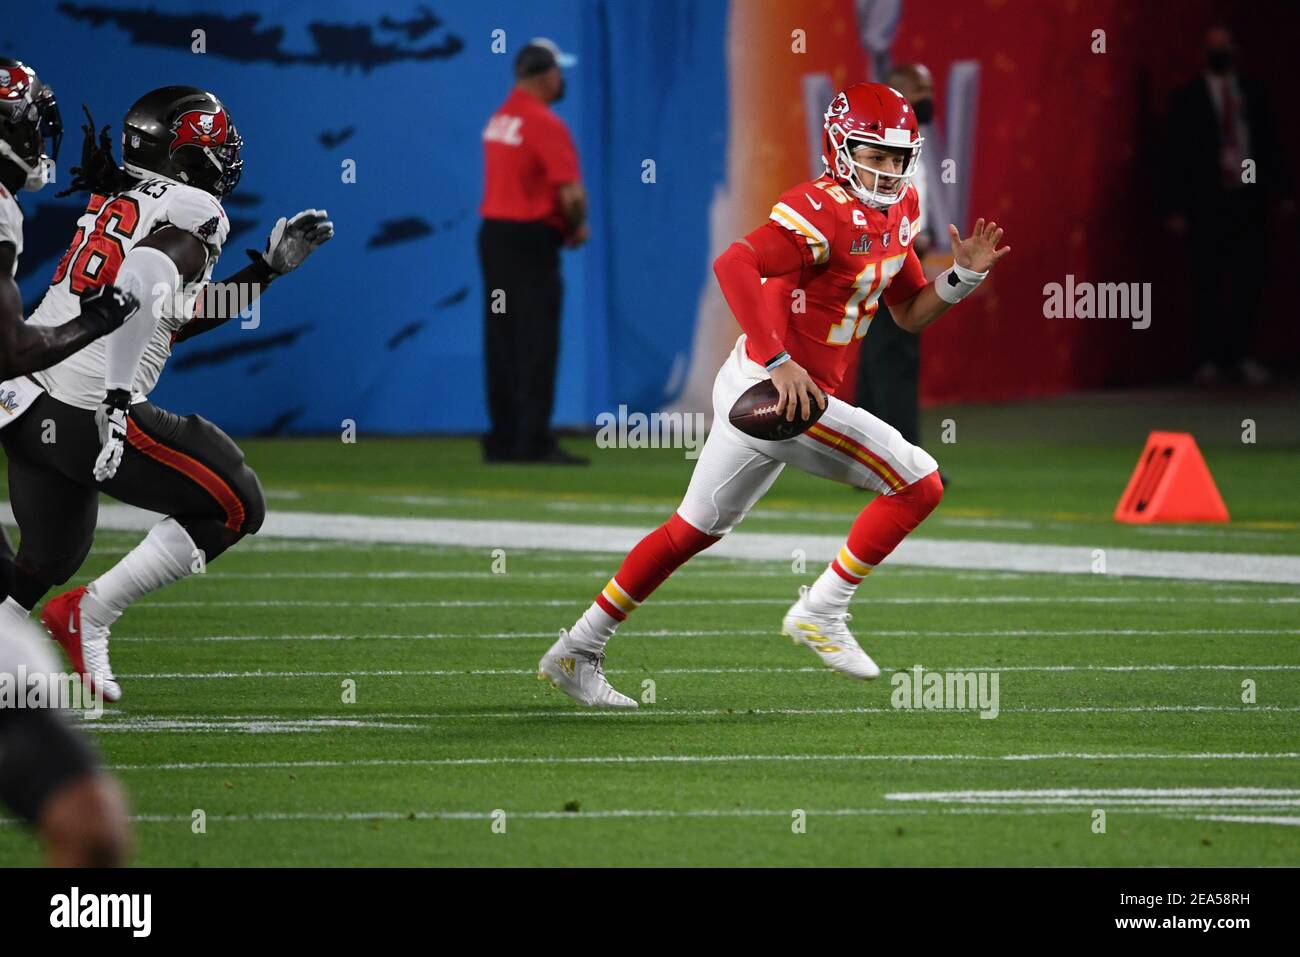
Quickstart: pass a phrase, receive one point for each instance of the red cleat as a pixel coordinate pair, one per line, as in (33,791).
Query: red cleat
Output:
(88,654)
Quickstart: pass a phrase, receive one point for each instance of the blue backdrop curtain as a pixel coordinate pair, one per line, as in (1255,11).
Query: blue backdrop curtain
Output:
(384,325)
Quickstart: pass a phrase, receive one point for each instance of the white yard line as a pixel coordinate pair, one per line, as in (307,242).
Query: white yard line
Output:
(766,512)
(518,576)
(754,632)
(1126,800)
(1272,804)
(1091,793)
(259,817)
(1250,819)
(163,723)
(694,759)
(247,726)
(725,670)
(603,572)
(1229,797)
(715,670)
(344,817)
(932,553)
(715,602)
(1159,756)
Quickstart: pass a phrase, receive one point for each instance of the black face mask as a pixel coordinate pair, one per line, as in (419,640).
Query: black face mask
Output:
(1219,61)
(924,110)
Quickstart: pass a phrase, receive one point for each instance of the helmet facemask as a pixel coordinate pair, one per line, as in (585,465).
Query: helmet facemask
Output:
(50,125)
(866,181)
(37,123)
(227,160)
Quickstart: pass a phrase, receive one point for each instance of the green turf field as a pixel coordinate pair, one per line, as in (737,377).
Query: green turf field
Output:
(1116,694)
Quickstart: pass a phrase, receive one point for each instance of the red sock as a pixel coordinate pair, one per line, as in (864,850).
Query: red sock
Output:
(649,563)
(875,533)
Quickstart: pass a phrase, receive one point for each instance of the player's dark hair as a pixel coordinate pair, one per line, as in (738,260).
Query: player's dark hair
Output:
(98,172)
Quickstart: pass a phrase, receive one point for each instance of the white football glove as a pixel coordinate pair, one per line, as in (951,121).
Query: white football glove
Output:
(110,419)
(293,240)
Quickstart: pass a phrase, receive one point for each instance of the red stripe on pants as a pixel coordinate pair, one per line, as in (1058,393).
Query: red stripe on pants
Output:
(191,468)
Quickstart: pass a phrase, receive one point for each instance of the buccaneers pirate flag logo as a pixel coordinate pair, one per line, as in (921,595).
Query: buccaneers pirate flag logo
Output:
(199,128)
(13,83)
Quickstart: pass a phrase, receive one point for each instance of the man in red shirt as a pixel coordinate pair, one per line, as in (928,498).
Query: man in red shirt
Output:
(533,203)
(804,286)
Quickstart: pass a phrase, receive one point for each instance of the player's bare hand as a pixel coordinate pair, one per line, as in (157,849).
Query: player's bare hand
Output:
(979,251)
(797,391)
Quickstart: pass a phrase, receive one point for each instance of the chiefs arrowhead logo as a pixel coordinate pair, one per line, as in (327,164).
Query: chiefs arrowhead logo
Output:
(200,128)
(839,106)
(13,83)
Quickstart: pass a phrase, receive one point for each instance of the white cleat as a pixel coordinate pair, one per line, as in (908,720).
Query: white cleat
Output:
(580,675)
(85,643)
(829,636)
(94,645)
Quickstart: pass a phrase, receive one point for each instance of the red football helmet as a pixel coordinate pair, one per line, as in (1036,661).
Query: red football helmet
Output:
(876,114)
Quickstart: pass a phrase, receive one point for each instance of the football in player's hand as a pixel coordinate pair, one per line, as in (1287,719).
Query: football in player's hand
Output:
(755,414)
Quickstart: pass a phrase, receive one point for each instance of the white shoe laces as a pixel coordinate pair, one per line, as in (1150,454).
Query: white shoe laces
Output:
(94,653)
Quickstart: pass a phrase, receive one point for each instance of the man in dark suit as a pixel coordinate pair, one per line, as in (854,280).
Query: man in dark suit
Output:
(1223,172)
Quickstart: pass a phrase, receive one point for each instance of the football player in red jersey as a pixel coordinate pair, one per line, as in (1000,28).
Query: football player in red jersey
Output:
(830,249)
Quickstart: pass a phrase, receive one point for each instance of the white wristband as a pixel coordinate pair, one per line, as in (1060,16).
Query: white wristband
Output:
(957,282)
(781,359)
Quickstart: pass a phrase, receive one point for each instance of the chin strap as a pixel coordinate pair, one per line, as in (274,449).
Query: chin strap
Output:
(865,198)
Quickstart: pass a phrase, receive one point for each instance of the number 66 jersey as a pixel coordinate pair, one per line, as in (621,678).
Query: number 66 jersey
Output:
(106,232)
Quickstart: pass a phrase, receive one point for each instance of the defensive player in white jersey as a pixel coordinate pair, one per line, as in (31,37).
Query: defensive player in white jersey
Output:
(156,227)
(29,123)
(49,772)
